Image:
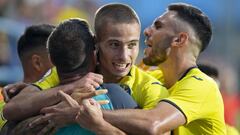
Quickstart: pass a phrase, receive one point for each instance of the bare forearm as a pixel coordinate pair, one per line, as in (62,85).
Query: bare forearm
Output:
(163,118)
(29,102)
(108,129)
(130,121)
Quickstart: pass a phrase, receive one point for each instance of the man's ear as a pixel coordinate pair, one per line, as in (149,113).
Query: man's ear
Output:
(37,62)
(180,39)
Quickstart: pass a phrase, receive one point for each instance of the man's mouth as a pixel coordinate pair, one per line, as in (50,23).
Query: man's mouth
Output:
(147,42)
(121,66)
(147,51)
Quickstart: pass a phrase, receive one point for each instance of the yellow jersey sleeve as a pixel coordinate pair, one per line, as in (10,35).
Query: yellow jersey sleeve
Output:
(197,96)
(49,80)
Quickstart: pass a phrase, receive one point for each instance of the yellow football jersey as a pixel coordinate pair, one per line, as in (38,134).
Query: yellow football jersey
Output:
(197,96)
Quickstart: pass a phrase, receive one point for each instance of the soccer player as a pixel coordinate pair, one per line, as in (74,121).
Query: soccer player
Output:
(117,28)
(195,105)
(71,37)
(33,53)
(33,56)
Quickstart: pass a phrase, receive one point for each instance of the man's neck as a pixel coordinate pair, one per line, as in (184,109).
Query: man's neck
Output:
(173,70)
(30,78)
(108,78)
(67,78)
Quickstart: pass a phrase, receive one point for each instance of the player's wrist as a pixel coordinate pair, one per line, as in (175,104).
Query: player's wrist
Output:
(100,127)
(68,88)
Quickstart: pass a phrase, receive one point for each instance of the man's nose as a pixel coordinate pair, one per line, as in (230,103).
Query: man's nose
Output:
(123,53)
(147,32)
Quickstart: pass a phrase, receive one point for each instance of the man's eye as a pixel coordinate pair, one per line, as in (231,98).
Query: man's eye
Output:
(131,45)
(157,25)
(114,45)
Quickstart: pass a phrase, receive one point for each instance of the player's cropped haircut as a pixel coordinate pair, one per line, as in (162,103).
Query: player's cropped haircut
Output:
(195,18)
(70,45)
(116,13)
(34,40)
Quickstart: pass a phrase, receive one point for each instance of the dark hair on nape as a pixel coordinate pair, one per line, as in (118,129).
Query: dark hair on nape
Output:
(195,18)
(70,45)
(209,70)
(34,39)
(116,13)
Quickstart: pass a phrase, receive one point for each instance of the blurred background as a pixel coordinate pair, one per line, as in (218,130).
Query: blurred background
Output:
(223,52)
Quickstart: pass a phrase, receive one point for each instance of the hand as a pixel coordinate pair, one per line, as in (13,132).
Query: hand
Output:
(79,96)
(87,83)
(63,113)
(57,116)
(22,127)
(90,115)
(46,128)
(12,90)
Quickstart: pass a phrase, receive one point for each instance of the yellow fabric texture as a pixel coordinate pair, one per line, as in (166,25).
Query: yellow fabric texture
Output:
(158,74)
(145,89)
(199,98)
(154,71)
(49,80)
(231,130)
(2,103)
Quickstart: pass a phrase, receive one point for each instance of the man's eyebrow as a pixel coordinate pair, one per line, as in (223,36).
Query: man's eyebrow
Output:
(135,40)
(113,40)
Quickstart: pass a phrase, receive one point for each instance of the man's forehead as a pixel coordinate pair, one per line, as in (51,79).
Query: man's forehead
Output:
(121,31)
(120,39)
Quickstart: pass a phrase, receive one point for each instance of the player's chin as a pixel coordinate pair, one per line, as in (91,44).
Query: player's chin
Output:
(149,61)
(122,73)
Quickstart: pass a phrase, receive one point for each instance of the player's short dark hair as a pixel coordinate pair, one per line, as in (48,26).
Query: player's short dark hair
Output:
(70,45)
(209,70)
(116,13)
(34,40)
(195,18)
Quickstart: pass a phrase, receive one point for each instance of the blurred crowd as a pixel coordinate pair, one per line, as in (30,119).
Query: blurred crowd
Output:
(15,15)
